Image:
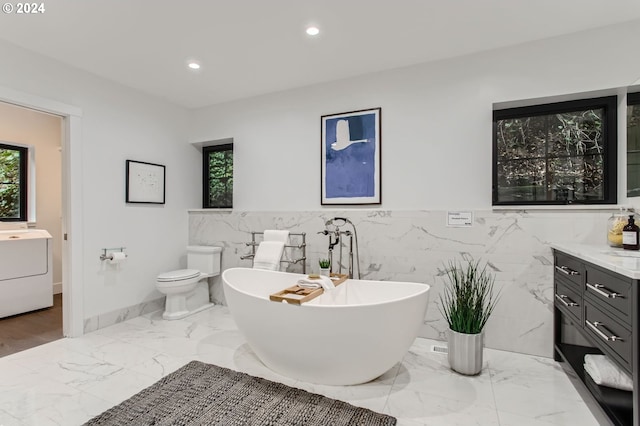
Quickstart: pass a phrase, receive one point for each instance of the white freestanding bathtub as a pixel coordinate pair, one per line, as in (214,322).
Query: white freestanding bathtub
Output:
(346,336)
(26,272)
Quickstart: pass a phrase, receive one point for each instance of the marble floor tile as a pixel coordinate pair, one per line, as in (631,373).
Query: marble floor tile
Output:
(428,375)
(510,419)
(120,386)
(160,365)
(72,410)
(123,354)
(246,361)
(529,372)
(218,318)
(549,406)
(434,410)
(535,388)
(76,370)
(69,381)
(7,419)
(27,394)
(372,395)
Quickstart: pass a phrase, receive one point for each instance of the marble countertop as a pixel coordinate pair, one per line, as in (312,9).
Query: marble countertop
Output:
(624,262)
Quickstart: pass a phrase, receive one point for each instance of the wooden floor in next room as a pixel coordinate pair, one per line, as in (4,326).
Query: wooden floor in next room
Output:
(25,331)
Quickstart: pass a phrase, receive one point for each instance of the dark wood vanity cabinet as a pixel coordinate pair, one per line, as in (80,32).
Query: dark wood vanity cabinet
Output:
(596,312)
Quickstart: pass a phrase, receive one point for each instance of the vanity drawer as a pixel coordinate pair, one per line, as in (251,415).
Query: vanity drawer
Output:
(568,300)
(570,268)
(611,291)
(612,337)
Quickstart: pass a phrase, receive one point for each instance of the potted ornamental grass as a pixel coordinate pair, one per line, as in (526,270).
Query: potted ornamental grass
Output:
(325,267)
(466,303)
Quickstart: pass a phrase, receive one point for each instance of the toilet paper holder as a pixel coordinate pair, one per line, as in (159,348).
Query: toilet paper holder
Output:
(107,253)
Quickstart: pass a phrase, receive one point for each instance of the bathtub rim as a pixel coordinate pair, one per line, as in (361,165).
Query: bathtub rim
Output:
(310,304)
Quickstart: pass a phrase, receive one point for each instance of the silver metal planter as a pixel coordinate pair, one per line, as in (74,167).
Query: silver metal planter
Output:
(465,352)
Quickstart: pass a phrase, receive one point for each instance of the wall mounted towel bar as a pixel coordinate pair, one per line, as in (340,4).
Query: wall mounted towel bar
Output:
(302,246)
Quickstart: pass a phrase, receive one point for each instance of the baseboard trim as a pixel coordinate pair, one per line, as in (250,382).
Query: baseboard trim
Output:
(57,288)
(119,315)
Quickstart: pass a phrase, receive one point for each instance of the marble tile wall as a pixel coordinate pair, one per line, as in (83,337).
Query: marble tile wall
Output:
(415,246)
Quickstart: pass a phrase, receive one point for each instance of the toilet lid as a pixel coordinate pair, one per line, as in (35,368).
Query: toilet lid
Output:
(179,275)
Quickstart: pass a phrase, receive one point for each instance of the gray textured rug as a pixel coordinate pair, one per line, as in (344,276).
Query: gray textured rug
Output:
(205,394)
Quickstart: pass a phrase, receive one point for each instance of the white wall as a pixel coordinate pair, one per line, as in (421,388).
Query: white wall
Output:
(118,124)
(44,133)
(436,121)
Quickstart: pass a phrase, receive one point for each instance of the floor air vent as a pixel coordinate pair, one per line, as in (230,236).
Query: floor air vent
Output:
(439,349)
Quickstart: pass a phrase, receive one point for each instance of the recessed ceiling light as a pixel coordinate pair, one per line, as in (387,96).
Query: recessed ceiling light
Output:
(194,65)
(313,31)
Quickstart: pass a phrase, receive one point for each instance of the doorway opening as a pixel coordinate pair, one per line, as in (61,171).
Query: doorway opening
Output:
(71,208)
(31,192)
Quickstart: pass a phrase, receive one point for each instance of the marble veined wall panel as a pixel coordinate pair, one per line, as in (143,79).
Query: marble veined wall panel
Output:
(416,246)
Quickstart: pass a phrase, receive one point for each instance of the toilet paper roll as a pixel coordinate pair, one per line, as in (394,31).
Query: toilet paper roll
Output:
(117,257)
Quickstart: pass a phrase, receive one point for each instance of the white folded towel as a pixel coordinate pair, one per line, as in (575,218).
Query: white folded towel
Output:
(305,283)
(276,235)
(268,255)
(605,373)
(279,235)
(323,282)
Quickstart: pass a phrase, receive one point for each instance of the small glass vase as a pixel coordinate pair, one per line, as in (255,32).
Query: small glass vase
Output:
(616,222)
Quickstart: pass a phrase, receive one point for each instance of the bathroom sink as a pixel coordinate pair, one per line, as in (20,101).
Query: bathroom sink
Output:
(623,253)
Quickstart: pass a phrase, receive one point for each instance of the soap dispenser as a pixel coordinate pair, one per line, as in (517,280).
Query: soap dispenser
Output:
(630,234)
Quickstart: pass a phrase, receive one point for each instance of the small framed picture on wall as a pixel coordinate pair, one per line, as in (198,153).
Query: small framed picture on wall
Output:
(145,182)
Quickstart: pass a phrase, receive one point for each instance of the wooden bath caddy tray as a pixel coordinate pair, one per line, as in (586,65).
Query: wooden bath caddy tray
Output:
(297,295)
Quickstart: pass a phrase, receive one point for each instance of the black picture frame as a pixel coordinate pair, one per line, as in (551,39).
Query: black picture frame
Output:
(145,182)
(350,158)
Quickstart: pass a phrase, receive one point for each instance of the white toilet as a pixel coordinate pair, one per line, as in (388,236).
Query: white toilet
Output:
(187,290)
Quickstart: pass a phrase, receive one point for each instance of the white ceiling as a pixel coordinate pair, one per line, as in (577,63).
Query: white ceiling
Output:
(253,47)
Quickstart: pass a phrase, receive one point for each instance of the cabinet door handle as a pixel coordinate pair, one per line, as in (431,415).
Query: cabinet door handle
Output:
(595,326)
(603,291)
(568,302)
(566,270)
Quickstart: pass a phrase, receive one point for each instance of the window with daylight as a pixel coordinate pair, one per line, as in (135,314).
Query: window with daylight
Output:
(218,176)
(13,183)
(559,153)
(633,145)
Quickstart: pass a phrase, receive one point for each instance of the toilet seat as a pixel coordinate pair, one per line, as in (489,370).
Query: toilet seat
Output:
(179,275)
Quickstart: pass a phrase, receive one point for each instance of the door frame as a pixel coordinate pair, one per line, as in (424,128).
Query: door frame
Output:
(72,254)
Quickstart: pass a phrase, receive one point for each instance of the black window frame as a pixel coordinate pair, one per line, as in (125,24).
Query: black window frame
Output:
(23,184)
(610,139)
(206,195)
(632,99)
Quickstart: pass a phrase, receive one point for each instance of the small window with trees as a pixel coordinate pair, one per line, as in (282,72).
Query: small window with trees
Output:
(218,176)
(13,183)
(633,145)
(559,153)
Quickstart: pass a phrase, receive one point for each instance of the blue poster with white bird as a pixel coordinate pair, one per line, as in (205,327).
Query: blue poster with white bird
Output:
(351,158)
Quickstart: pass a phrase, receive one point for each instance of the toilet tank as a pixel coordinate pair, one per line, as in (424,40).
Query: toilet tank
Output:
(205,259)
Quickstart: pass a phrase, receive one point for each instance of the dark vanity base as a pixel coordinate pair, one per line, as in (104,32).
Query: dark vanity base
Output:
(596,312)
(615,406)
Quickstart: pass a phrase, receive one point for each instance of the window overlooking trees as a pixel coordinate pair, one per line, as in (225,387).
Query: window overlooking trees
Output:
(13,183)
(560,153)
(633,145)
(218,176)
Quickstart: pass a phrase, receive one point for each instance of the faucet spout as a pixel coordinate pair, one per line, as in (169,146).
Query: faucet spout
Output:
(333,243)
